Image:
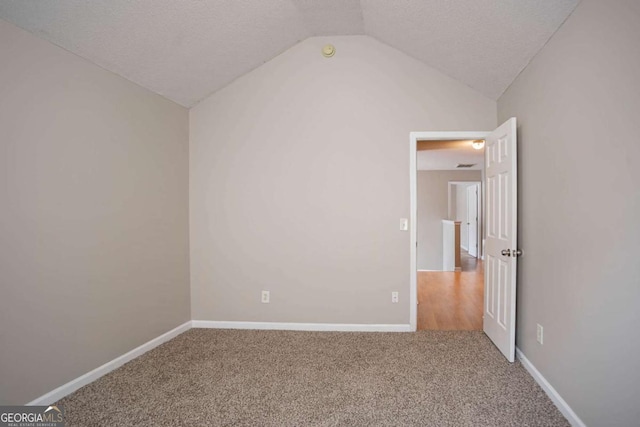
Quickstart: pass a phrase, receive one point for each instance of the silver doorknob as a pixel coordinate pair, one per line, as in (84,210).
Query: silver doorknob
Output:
(506,252)
(516,252)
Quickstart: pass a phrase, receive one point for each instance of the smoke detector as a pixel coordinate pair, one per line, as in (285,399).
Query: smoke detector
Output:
(328,51)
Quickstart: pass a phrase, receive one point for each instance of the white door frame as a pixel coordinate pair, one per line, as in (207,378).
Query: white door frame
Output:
(414,137)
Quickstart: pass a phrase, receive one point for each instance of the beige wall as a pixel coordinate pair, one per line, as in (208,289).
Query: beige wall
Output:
(578,104)
(94,217)
(433,204)
(299,177)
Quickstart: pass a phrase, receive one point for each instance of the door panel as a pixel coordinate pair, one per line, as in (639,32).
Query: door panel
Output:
(501,242)
(489,297)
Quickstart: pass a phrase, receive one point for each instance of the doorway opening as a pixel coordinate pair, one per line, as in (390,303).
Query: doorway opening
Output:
(435,142)
(449,276)
(465,205)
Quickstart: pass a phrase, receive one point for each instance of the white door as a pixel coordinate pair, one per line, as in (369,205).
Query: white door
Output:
(472,219)
(500,245)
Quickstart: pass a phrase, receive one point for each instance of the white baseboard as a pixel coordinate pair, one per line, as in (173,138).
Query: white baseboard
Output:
(465,248)
(282,326)
(562,405)
(89,377)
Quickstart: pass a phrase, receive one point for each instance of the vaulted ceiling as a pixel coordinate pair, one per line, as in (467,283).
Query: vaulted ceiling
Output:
(186,50)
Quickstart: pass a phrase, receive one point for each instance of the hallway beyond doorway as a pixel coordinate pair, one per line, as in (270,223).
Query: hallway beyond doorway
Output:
(450,300)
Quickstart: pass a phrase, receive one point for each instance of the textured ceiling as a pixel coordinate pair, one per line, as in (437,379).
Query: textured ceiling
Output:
(186,50)
(483,43)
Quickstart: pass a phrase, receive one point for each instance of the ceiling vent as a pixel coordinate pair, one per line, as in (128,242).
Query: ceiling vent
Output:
(465,165)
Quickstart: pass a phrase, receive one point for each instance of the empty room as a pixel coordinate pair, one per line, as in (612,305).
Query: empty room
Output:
(211,212)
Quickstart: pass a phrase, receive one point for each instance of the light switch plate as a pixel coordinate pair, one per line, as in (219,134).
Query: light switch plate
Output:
(404,224)
(540,334)
(394,297)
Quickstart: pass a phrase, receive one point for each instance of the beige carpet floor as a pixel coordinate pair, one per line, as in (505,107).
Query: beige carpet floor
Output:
(208,377)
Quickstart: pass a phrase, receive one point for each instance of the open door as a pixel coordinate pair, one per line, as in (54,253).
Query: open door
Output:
(472,219)
(501,241)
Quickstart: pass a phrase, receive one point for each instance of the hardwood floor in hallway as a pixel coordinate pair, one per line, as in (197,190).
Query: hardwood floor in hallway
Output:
(449,300)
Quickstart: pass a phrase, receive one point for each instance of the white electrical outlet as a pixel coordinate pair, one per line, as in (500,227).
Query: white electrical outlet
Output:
(394,297)
(539,334)
(265,297)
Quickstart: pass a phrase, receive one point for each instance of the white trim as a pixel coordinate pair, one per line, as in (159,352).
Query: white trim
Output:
(465,248)
(413,231)
(555,397)
(414,137)
(283,326)
(89,377)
